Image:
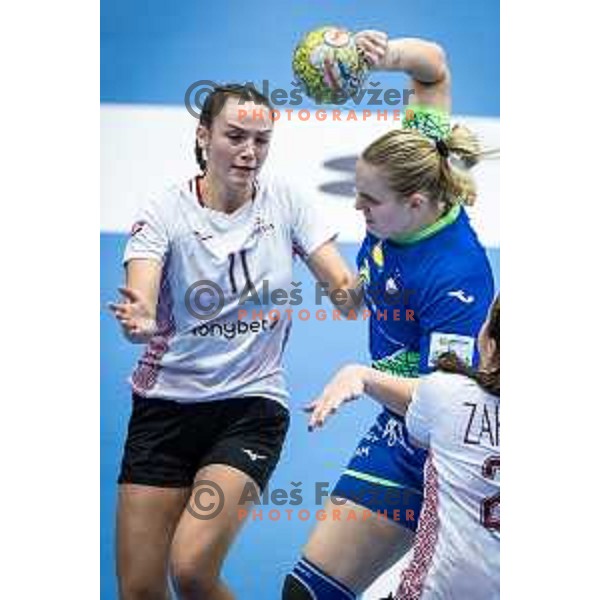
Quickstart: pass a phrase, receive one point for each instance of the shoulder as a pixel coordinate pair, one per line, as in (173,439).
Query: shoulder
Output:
(432,401)
(273,186)
(464,280)
(468,253)
(275,194)
(165,201)
(285,200)
(462,270)
(447,394)
(440,392)
(461,253)
(444,384)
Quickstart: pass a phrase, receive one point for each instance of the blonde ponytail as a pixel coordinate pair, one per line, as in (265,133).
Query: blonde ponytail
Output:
(413,163)
(464,153)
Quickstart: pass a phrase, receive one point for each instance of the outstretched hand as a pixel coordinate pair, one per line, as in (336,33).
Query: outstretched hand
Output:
(346,385)
(134,315)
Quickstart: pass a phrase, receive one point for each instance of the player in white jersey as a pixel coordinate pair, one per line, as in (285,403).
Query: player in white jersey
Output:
(453,412)
(209,398)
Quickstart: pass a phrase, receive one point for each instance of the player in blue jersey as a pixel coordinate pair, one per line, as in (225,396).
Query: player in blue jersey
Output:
(428,285)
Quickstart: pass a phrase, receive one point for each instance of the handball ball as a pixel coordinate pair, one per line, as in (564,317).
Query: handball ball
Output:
(328,65)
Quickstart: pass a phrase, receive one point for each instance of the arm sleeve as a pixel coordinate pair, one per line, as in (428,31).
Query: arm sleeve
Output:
(312,226)
(451,317)
(421,414)
(148,237)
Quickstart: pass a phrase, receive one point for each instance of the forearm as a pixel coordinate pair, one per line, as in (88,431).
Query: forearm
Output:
(335,279)
(393,392)
(349,295)
(424,61)
(143,276)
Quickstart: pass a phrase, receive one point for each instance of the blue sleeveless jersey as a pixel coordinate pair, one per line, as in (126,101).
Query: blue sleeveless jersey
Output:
(427,294)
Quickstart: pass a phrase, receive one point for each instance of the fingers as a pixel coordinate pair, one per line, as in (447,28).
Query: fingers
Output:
(370,54)
(122,313)
(131,328)
(315,407)
(331,399)
(120,310)
(131,296)
(372,45)
(374,34)
(127,323)
(321,409)
(317,418)
(366,51)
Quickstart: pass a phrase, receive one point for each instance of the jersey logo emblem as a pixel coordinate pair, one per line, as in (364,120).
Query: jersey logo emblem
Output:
(203,238)
(362,451)
(461,345)
(390,286)
(394,435)
(364,273)
(460,295)
(377,255)
(254,456)
(137,227)
(261,227)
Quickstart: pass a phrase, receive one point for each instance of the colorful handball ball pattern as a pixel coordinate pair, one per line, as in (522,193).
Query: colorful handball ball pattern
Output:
(329,66)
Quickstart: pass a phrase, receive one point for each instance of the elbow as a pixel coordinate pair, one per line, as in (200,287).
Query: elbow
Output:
(438,53)
(347,282)
(439,61)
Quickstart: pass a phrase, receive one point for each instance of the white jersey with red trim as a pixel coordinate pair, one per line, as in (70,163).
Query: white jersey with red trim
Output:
(456,553)
(205,348)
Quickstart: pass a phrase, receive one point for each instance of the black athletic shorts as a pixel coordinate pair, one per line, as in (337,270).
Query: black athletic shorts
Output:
(167,442)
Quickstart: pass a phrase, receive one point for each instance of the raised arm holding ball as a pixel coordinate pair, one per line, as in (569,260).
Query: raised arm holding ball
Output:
(422,256)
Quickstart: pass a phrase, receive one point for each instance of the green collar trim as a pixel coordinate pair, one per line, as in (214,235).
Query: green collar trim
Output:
(410,238)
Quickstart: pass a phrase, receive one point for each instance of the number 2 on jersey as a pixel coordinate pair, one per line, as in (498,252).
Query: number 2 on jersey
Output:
(490,506)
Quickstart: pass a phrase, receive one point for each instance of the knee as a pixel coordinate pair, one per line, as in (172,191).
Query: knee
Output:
(191,579)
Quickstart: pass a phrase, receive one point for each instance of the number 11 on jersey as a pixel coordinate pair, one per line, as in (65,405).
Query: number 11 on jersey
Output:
(233,281)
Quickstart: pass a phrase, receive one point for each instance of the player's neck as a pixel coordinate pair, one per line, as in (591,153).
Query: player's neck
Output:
(430,216)
(216,195)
